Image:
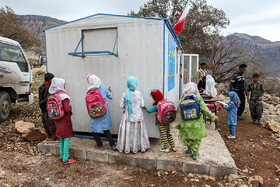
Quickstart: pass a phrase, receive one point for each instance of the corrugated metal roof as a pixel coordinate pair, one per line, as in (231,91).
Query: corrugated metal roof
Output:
(153,18)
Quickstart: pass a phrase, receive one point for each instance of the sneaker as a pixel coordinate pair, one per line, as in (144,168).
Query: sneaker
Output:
(194,157)
(100,148)
(259,122)
(70,161)
(173,149)
(114,147)
(165,150)
(254,121)
(241,118)
(189,151)
(230,137)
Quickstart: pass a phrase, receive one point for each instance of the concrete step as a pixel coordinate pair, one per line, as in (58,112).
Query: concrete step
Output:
(214,158)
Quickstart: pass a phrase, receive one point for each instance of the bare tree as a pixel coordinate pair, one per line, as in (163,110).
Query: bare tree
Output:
(228,54)
(11,27)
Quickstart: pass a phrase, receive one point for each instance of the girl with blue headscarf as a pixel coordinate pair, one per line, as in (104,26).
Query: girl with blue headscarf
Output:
(133,136)
(232,112)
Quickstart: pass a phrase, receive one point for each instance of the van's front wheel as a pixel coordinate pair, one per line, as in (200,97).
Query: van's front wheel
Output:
(5,105)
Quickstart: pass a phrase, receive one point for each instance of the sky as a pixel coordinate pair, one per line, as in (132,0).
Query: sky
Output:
(253,17)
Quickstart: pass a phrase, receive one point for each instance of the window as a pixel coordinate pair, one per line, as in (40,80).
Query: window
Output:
(14,54)
(100,40)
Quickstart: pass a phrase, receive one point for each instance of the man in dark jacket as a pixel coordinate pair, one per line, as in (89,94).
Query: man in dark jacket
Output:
(49,124)
(237,84)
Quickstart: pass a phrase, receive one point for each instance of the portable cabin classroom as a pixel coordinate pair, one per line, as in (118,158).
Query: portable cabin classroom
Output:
(114,47)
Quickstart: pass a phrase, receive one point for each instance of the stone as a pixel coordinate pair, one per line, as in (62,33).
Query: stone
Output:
(274,126)
(278,172)
(22,126)
(255,181)
(49,154)
(34,134)
(232,177)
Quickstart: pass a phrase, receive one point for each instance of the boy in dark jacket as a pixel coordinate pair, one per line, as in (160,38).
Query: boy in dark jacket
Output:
(49,124)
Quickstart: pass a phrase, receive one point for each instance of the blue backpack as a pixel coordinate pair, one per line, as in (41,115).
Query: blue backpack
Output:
(190,108)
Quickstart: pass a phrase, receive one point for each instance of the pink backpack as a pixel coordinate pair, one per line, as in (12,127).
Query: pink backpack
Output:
(96,105)
(55,106)
(166,112)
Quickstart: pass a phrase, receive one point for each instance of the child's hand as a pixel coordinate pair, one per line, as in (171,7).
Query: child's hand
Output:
(110,89)
(144,108)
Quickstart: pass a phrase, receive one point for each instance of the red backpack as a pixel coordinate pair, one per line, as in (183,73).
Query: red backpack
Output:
(96,105)
(166,112)
(55,106)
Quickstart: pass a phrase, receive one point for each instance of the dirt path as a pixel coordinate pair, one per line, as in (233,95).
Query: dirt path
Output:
(254,150)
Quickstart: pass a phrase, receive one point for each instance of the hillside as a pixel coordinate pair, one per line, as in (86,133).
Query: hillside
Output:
(37,24)
(268,48)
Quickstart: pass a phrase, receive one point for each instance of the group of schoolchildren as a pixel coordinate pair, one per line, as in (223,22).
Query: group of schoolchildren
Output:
(132,135)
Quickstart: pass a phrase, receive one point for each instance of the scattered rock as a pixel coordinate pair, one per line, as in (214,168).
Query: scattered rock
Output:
(274,126)
(49,154)
(22,126)
(255,181)
(185,179)
(194,180)
(232,177)
(2,174)
(190,175)
(34,134)
(278,172)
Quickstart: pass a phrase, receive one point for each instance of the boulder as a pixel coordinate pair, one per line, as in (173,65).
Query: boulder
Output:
(268,106)
(22,126)
(34,134)
(255,181)
(272,125)
(39,71)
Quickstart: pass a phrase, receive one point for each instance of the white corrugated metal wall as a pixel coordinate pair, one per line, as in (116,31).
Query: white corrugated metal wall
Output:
(140,50)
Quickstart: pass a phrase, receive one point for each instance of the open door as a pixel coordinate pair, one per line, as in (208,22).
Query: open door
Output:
(189,68)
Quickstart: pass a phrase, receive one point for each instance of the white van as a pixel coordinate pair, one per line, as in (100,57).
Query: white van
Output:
(15,76)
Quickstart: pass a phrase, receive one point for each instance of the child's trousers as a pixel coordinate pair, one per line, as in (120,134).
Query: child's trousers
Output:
(232,129)
(64,148)
(165,136)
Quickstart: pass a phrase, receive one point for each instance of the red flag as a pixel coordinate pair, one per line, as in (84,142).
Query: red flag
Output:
(182,18)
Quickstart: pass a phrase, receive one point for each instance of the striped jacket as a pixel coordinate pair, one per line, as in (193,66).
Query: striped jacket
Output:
(237,82)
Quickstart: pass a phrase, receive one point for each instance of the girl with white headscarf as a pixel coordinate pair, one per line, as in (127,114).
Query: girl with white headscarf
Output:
(133,135)
(191,132)
(210,86)
(102,123)
(64,129)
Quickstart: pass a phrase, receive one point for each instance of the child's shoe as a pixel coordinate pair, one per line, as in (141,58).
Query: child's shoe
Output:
(241,118)
(259,122)
(114,147)
(194,157)
(70,161)
(172,148)
(100,148)
(254,121)
(230,137)
(68,157)
(165,150)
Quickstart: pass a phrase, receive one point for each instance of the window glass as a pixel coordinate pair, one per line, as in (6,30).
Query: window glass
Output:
(12,53)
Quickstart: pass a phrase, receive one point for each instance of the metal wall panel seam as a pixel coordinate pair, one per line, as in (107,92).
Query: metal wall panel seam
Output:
(163,57)
(46,50)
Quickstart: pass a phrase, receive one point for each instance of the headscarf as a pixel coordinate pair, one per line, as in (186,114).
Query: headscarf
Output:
(57,85)
(157,96)
(190,89)
(210,86)
(94,82)
(131,86)
(234,98)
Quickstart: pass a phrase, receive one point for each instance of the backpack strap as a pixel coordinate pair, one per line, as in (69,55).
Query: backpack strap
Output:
(60,92)
(191,97)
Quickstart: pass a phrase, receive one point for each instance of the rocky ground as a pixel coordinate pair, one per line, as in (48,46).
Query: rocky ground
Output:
(255,151)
